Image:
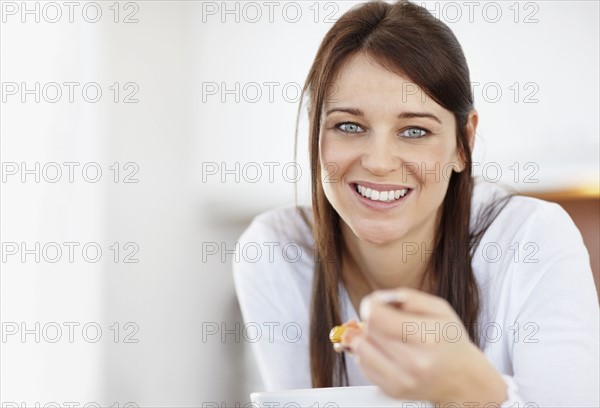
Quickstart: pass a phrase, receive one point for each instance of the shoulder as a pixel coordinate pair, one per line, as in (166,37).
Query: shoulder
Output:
(275,255)
(531,249)
(272,273)
(518,215)
(538,295)
(522,223)
(283,225)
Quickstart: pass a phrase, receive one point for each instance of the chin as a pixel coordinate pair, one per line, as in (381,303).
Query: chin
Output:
(377,235)
(377,240)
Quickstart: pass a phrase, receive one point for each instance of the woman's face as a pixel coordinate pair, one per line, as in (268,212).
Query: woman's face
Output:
(387,151)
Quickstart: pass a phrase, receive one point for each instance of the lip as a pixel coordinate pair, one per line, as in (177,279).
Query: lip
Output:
(380,205)
(379,187)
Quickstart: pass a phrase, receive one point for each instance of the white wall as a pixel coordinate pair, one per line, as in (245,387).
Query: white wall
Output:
(176,134)
(51,294)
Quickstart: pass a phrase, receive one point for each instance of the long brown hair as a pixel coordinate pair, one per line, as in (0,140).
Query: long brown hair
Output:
(408,40)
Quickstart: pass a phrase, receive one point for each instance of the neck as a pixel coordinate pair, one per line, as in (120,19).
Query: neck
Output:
(368,267)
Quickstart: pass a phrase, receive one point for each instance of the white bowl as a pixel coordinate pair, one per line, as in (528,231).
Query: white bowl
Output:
(335,397)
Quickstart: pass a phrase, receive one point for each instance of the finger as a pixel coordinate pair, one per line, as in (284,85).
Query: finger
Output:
(388,385)
(396,324)
(339,347)
(394,349)
(385,372)
(409,300)
(349,334)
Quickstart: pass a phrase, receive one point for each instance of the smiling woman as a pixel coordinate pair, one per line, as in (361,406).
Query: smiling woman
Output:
(377,130)
(397,214)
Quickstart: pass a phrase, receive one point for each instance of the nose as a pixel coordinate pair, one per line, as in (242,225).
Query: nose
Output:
(380,155)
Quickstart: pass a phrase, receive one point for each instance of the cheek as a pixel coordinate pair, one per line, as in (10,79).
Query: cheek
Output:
(324,158)
(436,163)
(329,168)
(335,158)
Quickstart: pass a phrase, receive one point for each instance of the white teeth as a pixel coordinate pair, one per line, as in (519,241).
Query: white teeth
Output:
(384,196)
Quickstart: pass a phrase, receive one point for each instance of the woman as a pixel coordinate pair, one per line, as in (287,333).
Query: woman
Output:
(495,297)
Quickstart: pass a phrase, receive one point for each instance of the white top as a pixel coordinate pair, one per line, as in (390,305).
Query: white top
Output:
(538,301)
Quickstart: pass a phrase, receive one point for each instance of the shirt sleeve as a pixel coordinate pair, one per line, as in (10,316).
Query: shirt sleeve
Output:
(555,332)
(271,306)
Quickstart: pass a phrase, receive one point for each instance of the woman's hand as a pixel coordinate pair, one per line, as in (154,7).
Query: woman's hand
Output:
(420,350)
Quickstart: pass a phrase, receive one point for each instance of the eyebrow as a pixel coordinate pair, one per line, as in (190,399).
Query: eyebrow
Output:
(403,115)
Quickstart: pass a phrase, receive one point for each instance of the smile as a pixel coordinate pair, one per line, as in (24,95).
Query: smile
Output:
(383,196)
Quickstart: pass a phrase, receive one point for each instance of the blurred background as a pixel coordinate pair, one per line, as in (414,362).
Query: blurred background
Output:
(140,138)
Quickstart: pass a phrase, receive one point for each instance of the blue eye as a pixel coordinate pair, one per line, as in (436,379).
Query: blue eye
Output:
(414,133)
(349,127)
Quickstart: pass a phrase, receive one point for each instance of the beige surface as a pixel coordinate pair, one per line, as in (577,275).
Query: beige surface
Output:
(583,206)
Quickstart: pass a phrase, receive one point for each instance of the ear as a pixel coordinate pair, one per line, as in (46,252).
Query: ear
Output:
(472,121)
(470,130)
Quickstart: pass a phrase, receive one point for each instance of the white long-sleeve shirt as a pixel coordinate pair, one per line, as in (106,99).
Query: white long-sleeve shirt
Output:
(539,310)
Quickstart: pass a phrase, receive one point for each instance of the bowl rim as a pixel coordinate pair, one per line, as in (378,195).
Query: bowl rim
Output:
(317,389)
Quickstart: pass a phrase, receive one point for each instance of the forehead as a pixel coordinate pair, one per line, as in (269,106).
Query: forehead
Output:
(362,83)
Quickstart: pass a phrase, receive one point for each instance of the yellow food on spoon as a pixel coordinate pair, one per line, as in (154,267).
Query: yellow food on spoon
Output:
(335,335)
